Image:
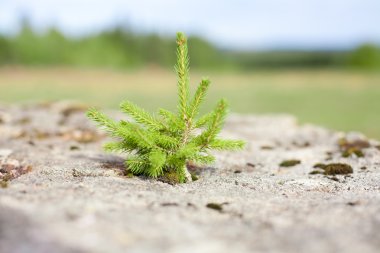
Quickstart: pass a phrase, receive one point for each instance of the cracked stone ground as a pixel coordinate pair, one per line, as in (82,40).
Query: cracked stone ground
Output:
(61,193)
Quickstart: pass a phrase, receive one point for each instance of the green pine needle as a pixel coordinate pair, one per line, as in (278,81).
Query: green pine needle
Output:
(140,115)
(198,98)
(166,143)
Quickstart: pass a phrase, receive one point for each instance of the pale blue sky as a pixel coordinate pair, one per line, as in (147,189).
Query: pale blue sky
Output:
(257,24)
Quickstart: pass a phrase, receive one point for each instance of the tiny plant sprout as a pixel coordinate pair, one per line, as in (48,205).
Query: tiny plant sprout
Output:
(163,144)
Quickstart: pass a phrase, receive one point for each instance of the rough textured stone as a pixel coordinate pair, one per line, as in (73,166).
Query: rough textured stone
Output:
(76,198)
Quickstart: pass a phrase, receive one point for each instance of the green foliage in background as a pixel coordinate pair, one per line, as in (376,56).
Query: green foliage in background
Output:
(115,48)
(366,57)
(164,144)
(120,48)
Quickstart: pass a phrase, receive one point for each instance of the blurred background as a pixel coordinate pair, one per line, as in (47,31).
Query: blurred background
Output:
(316,59)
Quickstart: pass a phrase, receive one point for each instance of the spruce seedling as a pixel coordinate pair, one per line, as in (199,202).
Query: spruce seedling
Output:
(163,144)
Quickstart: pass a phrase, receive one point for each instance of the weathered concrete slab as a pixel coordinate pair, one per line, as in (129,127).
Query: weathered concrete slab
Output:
(75,198)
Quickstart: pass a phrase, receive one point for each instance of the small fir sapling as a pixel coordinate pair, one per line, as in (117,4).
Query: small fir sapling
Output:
(163,144)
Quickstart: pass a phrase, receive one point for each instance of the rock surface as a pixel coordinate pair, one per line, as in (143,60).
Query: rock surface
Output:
(76,199)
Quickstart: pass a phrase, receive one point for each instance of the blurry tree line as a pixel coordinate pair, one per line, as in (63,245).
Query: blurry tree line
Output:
(125,49)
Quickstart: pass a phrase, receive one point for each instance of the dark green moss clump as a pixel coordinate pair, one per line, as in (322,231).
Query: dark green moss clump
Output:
(349,148)
(194,176)
(129,174)
(74,147)
(319,169)
(290,163)
(170,177)
(215,206)
(331,169)
(351,151)
(338,169)
(314,172)
(319,166)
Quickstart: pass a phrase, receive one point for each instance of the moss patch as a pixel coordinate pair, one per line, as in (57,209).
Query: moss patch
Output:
(216,206)
(349,148)
(128,174)
(73,147)
(194,176)
(170,177)
(314,172)
(319,166)
(289,163)
(338,169)
(351,151)
(319,169)
(332,169)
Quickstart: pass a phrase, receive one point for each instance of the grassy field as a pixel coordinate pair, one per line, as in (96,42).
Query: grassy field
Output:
(340,100)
